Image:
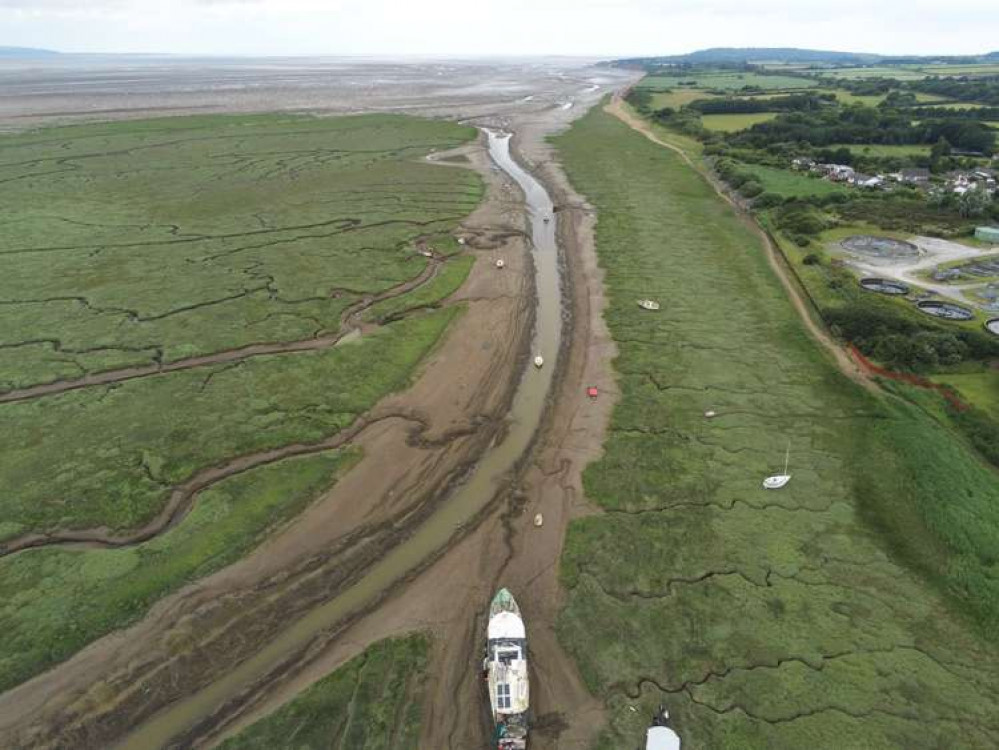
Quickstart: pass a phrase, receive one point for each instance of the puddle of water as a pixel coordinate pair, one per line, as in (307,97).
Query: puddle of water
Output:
(465,502)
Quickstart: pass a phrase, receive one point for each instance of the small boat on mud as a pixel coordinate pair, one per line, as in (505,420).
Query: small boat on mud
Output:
(776,481)
(539,361)
(505,668)
(500,263)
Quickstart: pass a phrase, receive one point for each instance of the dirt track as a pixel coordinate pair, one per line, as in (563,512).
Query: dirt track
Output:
(457,407)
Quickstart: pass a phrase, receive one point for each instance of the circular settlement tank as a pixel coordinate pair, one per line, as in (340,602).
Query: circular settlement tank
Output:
(946,310)
(886,248)
(884,286)
(992,326)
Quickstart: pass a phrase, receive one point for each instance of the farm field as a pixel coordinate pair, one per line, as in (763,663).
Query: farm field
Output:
(678,98)
(792,184)
(372,702)
(848,97)
(785,620)
(955,105)
(240,251)
(725,81)
(985,69)
(732,123)
(878,149)
(898,73)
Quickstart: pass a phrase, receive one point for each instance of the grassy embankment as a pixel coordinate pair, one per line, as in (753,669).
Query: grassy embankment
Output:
(178,220)
(858,607)
(370,703)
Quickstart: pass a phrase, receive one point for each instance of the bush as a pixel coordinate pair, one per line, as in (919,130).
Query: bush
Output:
(768,200)
(812,259)
(902,343)
(800,218)
(751,189)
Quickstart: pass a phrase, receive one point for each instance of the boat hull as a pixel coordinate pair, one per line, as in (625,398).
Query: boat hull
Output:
(506,673)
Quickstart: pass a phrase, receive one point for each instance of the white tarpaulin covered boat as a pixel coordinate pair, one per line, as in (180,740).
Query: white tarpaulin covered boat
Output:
(506,672)
(660,736)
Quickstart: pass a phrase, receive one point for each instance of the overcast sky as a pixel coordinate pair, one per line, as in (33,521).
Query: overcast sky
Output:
(463,27)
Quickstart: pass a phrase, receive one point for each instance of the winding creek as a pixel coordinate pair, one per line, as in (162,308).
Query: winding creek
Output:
(466,501)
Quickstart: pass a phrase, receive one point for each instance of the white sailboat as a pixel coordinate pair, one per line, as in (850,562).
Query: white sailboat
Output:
(776,481)
(506,672)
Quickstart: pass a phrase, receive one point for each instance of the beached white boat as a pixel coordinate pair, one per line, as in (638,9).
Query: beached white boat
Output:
(506,672)
(539,361)
(660,736)
(776,481)
(500,264)
(648,304)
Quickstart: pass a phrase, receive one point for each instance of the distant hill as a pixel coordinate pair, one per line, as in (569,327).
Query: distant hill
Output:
(771,54)
(26,52)
(750,55)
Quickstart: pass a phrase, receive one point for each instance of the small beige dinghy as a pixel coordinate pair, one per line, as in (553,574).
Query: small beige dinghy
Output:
(539,361)
(500,263)
(776,481)
(539,520)
(648,304)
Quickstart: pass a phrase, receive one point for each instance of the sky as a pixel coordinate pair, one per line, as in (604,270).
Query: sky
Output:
(600,28)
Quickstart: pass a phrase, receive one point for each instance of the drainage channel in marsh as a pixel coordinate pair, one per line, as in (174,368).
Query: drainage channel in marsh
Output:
(465,502)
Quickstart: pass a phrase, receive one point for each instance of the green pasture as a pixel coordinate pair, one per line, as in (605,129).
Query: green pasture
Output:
(793,184)
(725,81)
(735,122)
(880,71)
(859,606)
(884,150)
(978,388)
(678,98)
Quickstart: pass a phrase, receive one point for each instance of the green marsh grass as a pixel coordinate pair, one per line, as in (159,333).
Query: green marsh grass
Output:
(859,606)
(373,702)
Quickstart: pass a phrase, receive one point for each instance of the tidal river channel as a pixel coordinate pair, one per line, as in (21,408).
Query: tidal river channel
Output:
(457,510)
